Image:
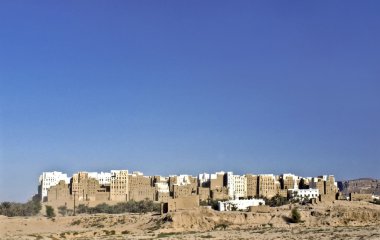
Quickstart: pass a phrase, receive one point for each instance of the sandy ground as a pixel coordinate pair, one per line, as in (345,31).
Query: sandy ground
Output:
(339,220)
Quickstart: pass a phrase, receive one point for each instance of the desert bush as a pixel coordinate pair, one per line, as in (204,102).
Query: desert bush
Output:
(29,208)
(76,222)
(49,211)
(295,216)
(62,210)
(111,232)
(121,207)
(82,208)
(222,225)
(276,201)
(125,232)
(101,208)
(166,235)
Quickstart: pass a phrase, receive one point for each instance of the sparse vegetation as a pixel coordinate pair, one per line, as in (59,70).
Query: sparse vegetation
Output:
(76,222)
(163,235)
(62,210)
(277,201)
(222,225)
(295,216)
(37,237)
(49,211)
(111,232)
(29,208)
(122,207)
(206,236)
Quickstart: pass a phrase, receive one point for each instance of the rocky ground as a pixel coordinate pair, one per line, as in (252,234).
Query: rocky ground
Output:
(339,220)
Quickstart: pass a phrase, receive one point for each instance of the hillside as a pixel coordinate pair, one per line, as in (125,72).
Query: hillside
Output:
(362,185)
(338,220)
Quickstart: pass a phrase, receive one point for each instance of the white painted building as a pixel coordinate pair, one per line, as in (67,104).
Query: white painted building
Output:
(162,187)
(239,205)
(104,178)
(236,185)
(204,179)
(50,179)
(215,175)
(137,173)
(182,179)
(301,194)
(289,175)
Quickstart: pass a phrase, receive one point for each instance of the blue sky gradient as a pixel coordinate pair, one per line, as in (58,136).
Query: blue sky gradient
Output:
(169,87)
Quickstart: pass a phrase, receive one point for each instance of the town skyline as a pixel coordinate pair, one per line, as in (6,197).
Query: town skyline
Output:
(188,173)
(175,192)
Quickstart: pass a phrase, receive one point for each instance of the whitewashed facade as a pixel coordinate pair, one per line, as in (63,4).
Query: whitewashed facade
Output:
(50,179)
(301,194)
(204,179)
(162,187)
(239,205)
(104,178)
(236,185)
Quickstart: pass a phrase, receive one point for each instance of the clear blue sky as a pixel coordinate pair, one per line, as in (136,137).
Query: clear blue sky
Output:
(169,87)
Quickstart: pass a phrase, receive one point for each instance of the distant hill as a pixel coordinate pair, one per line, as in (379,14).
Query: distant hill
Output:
(361,185)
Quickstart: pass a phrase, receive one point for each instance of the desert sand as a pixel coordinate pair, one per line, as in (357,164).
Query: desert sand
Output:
(338,220)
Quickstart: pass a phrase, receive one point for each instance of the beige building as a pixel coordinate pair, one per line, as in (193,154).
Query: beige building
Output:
(267,185)
(59,192)
(325,184)
(183,185)
(183,191)
(289,181)
(252,186)
(162,197)
(119,185)
(219,193)
(217,181)
(84,188)
(204,193)
(182,203)
(140,187)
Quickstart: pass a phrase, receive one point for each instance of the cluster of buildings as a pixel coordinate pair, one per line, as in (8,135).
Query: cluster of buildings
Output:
(179,191)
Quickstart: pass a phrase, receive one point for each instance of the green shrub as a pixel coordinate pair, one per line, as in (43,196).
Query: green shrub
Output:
(76,222)
(165,235)
(111,232)
(295,216)
(143,206)
(82,208)
(50,211)
(276,201)
(62,210)
(222,225)
(29,208)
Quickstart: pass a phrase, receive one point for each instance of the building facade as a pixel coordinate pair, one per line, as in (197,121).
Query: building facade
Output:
(50,179)
(237,186)
(119,185)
